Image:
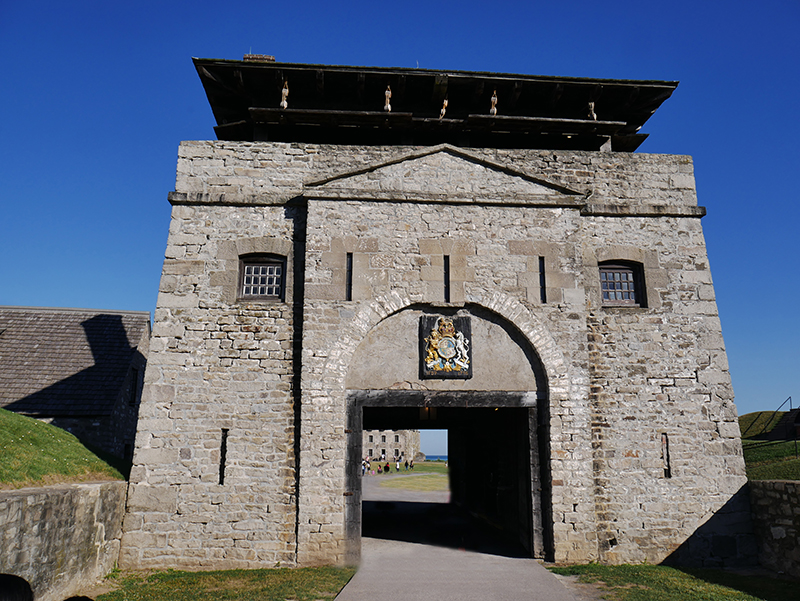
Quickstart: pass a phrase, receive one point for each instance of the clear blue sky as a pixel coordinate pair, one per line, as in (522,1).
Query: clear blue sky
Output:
(96,97)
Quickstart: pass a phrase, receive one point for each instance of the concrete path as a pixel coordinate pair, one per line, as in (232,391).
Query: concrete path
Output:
(417,548)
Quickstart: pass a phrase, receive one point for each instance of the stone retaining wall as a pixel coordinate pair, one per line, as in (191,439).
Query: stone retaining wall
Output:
(776,522)
(61,538)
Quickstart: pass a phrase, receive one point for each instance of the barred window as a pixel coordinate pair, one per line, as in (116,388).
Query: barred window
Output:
(262,278)
(621,284)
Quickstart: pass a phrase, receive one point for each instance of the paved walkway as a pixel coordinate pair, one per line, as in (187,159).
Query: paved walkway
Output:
(416,547)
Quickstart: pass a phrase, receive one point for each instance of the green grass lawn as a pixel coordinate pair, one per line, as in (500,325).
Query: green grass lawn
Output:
(758,451)
(434,467)
(430,482)
(661,583)
(768,460)
(33,453)
(786,470)
(421,467)
(279,584)
(771,460)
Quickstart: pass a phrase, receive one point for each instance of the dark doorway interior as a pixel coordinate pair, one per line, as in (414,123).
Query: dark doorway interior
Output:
(437,524)
(493,452)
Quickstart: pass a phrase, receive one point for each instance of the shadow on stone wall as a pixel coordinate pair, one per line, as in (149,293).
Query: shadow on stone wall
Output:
(726,540)
(436,524)
(88,403)
(776,523)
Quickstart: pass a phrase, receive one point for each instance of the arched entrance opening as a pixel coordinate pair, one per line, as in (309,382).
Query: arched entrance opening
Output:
(497,423)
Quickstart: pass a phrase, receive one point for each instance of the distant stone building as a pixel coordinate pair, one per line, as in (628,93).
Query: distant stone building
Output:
(353,255)
(79,369)
(403,444)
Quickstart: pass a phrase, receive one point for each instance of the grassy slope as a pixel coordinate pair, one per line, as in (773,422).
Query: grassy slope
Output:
(33,453)
(758,421)
(772,460)
(768,460)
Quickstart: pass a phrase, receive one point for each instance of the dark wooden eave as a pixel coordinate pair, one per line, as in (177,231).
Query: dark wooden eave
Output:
(344,105)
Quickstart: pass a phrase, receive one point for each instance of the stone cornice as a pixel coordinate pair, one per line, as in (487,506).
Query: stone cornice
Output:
(586,209)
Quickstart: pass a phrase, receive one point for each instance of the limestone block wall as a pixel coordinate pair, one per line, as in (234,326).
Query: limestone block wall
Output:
(61,538)
(776,522)
(219,370)
(484,237)
(661,395)
(524,231)
(253,172)
(406,442)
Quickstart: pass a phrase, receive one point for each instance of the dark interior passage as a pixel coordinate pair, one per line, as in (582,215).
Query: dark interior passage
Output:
(491,471)
(437,524)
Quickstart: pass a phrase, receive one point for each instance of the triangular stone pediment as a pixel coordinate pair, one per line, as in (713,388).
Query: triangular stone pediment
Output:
(442,173)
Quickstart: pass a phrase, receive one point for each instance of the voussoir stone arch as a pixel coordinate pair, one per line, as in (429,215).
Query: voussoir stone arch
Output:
(531,327)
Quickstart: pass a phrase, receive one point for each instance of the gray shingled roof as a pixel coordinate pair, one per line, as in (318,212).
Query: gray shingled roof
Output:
(66,362)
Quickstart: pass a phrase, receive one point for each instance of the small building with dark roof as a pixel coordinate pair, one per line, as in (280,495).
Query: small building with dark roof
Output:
(79,369)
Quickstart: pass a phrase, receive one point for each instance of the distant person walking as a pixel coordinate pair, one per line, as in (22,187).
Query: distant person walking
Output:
(406,464)
(397,464)
(411,465)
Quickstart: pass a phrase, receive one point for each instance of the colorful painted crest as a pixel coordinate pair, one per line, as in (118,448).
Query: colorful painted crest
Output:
(445,347)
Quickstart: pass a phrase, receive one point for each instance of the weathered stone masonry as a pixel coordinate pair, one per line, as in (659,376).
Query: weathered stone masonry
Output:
(599,430)
(61,538)
(617,377)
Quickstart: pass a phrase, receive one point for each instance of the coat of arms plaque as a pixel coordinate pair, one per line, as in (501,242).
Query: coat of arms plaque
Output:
(445,347)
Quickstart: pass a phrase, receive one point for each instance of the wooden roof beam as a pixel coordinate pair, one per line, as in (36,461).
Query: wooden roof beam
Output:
(515,94)
(439,89)
(321,84)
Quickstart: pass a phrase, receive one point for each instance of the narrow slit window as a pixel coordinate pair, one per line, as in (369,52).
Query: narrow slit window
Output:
(447,278)
(348,286)
(542,281)
(134,388)
(665,455)
(223,455)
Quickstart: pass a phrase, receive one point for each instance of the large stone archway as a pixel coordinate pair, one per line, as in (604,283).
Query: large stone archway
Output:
(335,368)
(332,533)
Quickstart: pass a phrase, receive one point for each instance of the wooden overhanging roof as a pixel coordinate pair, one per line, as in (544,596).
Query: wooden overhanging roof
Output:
(344,105)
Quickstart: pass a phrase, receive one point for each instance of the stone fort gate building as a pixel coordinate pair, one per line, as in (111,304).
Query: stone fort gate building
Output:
(373,248)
